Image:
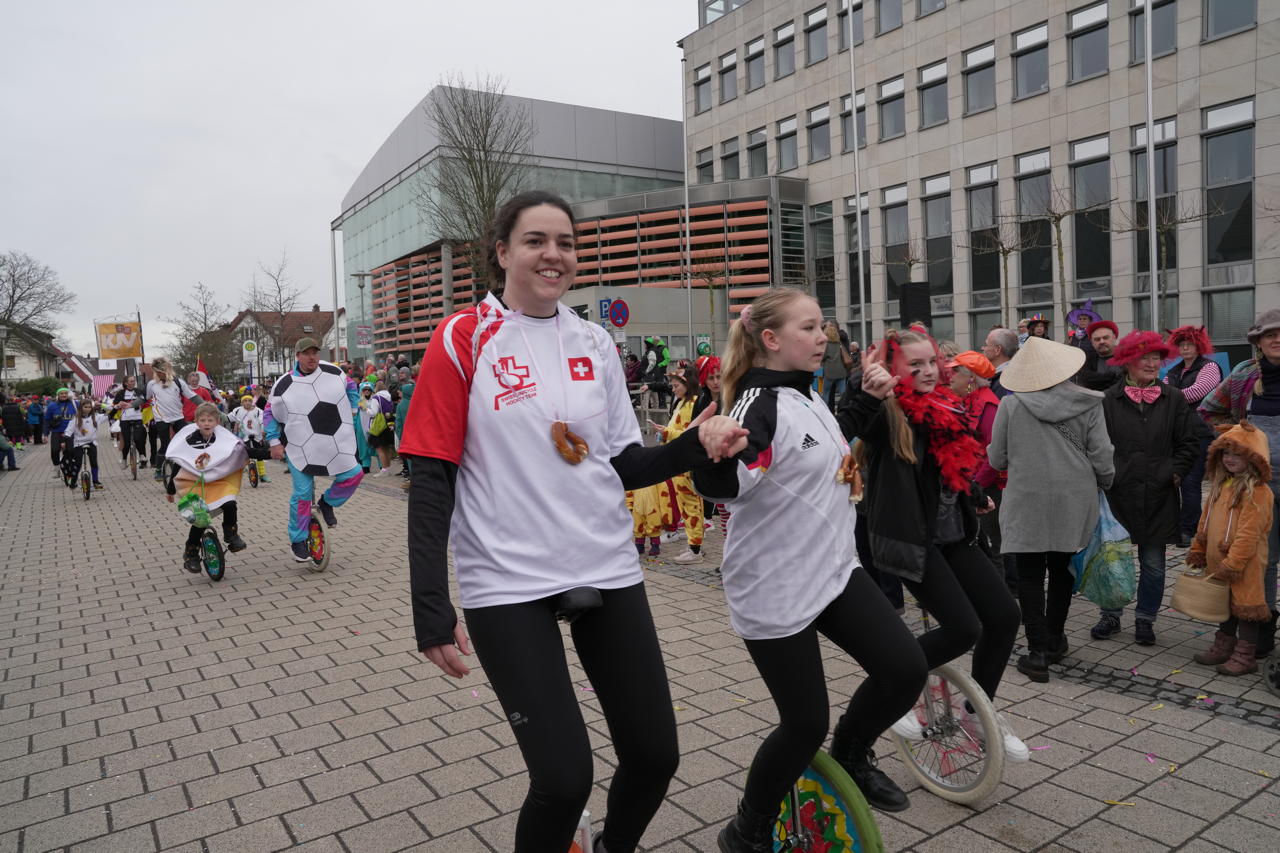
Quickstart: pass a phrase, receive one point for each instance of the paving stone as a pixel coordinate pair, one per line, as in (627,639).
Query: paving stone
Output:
(384,835)
(197,823)
(139,839)
(265,835)
(148,807)
(64,831)
(324,819)
(271,801)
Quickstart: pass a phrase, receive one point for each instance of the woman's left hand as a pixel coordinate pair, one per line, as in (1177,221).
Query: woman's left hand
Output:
(985,508)
(720,436)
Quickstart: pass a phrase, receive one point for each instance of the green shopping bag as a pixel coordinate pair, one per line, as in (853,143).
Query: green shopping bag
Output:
(1105,571)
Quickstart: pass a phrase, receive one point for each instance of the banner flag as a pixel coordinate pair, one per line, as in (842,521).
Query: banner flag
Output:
(120,340)
(205,380)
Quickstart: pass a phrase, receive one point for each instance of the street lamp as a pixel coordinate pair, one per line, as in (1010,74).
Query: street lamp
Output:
(4,333)
(360,282)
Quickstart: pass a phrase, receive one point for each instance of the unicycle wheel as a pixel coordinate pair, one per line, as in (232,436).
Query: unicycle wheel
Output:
(253,475)
(961,755)
(212,557)
(86,484)
(317,545)
(133,463)
(833,815)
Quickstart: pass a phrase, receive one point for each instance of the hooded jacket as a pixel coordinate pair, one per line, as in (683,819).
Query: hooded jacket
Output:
(56,415)
(1231,540)
(1154,443)
(1048,476)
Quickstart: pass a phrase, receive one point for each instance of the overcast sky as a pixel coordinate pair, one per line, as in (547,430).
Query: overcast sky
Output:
(145,146)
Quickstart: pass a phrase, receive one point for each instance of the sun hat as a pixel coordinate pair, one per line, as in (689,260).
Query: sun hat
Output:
(1266,322)
(976,362)
(1135,345)
(1041,363)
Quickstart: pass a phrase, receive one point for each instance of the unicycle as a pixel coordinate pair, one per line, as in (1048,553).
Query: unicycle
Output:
(824,812)
(960,754)
(133,461)
(316,544)
(86,480)
(253,473)
(212,557)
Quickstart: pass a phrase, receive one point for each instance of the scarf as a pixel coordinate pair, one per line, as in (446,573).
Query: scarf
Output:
(949,436)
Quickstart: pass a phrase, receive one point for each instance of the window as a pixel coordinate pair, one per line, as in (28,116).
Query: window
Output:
(933,94)
(847,18)
(858,239)
(755,64)
(729,76)
(1229,314)
(893,115)
(308,329)
(888,15)
(704,166)
(1166,169)
(937,234)
(1035,259)
(786,141)
(926,7)
(1087,41)
(979,79)
(1031,62)
(853,118)
(819,133)
(712,10)
(897,241)
(1091,223)
(815,36)
(984,233)
(729,160)
(1164,35)
(702,89)
(784,50)
(1228,181)
(757,153)
(1222,17)
(822,244)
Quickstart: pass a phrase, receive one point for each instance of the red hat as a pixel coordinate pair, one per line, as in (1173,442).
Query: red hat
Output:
(1101,324)
(1135,345)
(975,362)
(1196,334)
(706,364)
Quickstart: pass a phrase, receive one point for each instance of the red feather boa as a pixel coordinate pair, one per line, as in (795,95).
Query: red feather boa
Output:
(951,440)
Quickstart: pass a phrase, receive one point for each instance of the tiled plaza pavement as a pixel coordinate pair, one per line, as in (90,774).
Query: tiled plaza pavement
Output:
(142,708)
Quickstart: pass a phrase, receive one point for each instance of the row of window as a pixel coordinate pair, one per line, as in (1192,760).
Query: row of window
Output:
(1087,49)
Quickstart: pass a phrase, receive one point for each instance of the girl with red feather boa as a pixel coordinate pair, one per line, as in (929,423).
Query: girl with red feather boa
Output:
(920,452)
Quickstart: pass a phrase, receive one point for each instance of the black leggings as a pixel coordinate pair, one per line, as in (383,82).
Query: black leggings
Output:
(523,655)
(167,430)
(862,623)
(228,522)
(973,607)
(132,432)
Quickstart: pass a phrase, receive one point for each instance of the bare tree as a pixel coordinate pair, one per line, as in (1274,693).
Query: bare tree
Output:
(1054,205)
(202,332)
(31,295)
(907,256)
(484,158)
(272,297)
(711,274)
(1008,235)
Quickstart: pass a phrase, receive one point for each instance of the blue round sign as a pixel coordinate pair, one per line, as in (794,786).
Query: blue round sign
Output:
(619,313)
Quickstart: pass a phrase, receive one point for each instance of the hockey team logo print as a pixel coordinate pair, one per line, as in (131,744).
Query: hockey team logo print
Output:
(580,370)
(515,378)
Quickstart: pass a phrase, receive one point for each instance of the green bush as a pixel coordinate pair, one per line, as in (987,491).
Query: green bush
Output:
(44,385)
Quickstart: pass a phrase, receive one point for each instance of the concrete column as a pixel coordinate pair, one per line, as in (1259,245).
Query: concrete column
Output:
(446,277)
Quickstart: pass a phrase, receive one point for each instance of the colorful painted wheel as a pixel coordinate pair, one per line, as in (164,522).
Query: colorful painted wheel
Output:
(253,474)
(833,815)
(955,758)
(317,545)
(212,556)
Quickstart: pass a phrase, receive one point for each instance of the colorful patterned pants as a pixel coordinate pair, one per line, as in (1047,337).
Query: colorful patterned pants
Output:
(304,489)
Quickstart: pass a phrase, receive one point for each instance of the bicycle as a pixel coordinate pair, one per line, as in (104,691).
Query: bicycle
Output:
(824,812)
(953,758)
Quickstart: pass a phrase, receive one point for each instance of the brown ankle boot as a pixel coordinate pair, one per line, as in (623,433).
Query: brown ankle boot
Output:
(1242,660)
(1219,652)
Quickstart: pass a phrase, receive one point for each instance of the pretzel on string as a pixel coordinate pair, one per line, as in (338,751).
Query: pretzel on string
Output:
(571,447)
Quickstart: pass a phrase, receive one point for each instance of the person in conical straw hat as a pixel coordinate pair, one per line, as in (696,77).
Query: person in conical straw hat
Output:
(1051,437)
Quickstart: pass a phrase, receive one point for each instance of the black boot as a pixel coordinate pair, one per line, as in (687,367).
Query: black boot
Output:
(234,542)
(859,761)
(748,831)
(191,558)
(1267,637)
(1035,665)
(1058,649)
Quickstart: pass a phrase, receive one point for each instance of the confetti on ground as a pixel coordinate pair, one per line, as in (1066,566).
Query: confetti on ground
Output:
(587,689)
(677,707)
(1118,803)
(1172,767)
(1038,748)
(743,701)
(1133,671)
(1157,706)
(1174,671)
(1263,773)
(357,633)
(1201,697)
(474,693)
(1133,721)
(1151,758)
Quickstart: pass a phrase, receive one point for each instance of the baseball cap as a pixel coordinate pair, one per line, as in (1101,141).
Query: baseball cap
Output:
(975,361)
(305,344)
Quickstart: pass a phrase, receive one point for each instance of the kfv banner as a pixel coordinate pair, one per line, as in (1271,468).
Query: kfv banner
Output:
(119,340)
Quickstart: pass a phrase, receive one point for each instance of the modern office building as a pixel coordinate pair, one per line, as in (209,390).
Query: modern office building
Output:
(1000,136)
(413,274)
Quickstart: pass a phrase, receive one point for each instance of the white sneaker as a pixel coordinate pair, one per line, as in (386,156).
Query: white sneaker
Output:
(1014,749)
(909,726)
(686,557)
(672,536)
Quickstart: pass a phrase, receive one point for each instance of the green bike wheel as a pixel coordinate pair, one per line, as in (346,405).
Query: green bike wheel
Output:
(834,817)
(212,556)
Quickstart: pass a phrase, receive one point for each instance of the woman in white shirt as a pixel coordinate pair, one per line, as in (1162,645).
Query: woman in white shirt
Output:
(83,432)
(166,393)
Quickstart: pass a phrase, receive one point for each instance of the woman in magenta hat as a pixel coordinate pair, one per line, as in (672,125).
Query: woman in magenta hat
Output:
(1153,430)
(1195,376)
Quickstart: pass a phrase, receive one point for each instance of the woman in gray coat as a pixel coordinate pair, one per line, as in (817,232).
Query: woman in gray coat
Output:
(1050,435)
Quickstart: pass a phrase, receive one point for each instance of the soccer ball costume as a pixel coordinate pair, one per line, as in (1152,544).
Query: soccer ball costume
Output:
(311,415)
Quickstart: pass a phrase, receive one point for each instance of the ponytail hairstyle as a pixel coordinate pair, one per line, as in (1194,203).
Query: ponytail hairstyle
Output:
(80,413)
(746,348)
(162,365)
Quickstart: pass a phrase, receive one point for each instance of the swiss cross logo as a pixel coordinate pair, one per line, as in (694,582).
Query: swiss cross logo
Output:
(515,378)
(580,369)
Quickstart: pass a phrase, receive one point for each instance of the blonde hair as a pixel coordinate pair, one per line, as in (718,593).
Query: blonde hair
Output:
(746,348)
(162,365)
(207,408)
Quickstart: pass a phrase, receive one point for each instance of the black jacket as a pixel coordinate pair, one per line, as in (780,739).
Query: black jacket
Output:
(901,499)
(1153,444)
(1097,375)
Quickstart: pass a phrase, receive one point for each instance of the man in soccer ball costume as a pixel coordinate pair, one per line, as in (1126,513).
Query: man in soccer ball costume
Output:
(308,422)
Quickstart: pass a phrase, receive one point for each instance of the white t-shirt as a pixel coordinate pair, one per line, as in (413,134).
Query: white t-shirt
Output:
(167,399)
(88,431)
(249,421)
(129,413)
(526,523)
